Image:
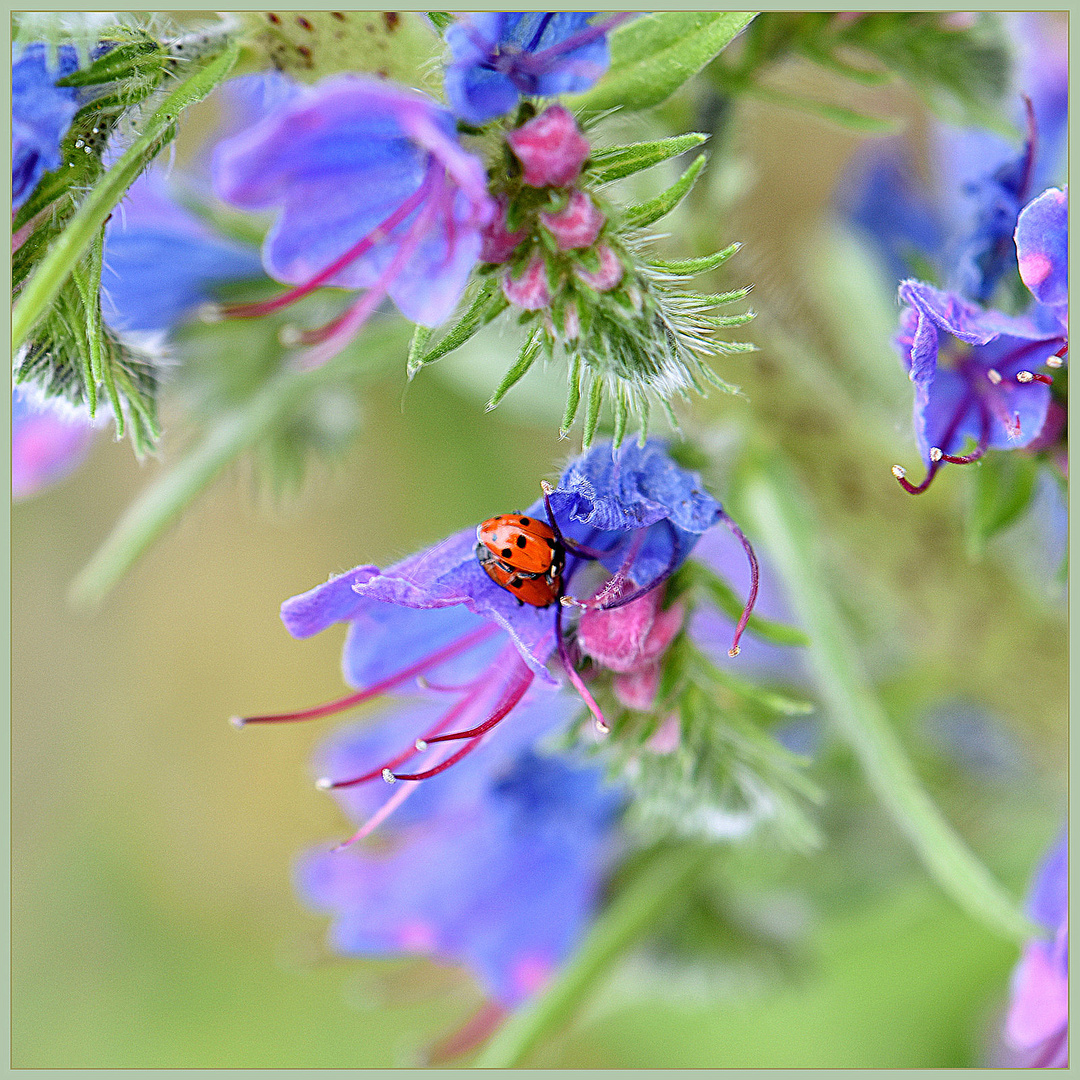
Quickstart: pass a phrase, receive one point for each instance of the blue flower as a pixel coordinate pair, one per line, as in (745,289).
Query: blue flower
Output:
(437,615)
(496,865)
(1042,251)
(1037,1024)
(959,225)
(500,56)
(375,192)
(161,262)
(49,439)
(41,113)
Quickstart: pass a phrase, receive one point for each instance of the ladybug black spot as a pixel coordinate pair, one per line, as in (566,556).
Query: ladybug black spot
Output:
(521,541)
(525,521)
(507,552)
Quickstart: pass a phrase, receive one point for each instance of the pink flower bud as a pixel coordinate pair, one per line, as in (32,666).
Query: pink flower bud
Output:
(608,276)
(530,291)
(497,245)
(550,148)
(577,225)
(637,689)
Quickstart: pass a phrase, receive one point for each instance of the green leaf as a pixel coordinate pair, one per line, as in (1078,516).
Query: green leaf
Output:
(614,162)
(654,54)
(529,352)
(781,515)
(486,305)
(691,267)
(592,412)
(1001,489)
(90,218)
(644,214)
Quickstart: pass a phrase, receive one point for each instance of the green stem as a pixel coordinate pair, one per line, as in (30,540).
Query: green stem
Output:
(632,911)
(782,521)
(162,502)
(41,289)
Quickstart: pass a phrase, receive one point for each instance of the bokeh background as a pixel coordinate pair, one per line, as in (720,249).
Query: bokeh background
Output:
(154,923)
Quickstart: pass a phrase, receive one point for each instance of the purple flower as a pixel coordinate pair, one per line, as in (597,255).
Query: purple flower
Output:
(375,192)
(41,113)
(1037,1024)
(979,383)
(496,865)
(499,57)
(161,262)
(49,439)
(438,616)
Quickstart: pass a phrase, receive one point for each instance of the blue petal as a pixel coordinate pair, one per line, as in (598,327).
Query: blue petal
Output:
(49,439)
(1048,901)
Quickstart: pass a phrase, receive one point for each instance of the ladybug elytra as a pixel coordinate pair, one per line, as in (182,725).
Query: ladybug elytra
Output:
(523,556)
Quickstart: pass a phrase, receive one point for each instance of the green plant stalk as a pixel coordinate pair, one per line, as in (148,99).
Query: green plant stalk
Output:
(779,517)
(632,911)
(164,500)
(41,289)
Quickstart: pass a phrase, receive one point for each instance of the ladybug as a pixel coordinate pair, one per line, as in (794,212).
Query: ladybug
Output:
(523,556)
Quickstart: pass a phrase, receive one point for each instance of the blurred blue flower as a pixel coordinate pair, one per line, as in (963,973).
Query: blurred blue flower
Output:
(1037,1024)
(956,224)
(375,192)
(161,262)
(49,439)
(1042,251)
(498,57)
(41,113)
(496,865)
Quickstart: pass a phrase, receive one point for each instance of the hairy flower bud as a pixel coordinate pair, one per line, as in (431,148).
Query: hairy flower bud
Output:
(550,148)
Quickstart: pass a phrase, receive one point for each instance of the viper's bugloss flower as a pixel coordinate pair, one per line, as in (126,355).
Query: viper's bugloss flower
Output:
(630,517)
(161,262)
(49,439)
(375,192)
(981,381)
(41,113)
(1037,1024)
(499,57)
(496,865)
(957,216)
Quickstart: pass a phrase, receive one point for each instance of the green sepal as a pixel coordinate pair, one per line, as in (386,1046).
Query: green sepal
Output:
(772,701)
(1002,486)
(721,322)
(645,214)
(622,410)
(529,352)
(440,20)
(417,345)
(141,58)
(593,405)
(696,575)
(615,162)
(573,395)
(488,303)
(834,114)
(692,267)
(653,54)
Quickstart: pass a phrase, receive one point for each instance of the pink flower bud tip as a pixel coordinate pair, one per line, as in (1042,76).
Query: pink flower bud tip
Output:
(550,148)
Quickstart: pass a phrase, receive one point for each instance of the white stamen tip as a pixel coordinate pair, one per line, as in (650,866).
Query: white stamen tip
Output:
(211,313)
(290,335)
(421,745)
(734,650)
(324,783)
(546,487)
(422,682)
(1024,377)
(570,601)
(993,375)
(602,728)
(389,777)
(899,472)
(1054,361)
(935,453)
(237,721)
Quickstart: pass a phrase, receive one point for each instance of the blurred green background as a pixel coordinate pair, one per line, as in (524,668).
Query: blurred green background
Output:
(154,923)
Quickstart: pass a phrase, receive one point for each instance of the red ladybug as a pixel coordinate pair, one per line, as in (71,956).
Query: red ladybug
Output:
(523,556)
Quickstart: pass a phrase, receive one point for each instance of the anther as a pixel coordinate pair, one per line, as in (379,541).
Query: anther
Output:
(602,727)
(237,721)
(324,783)
(899,472)
(1054,361)
(389,777)
(1033,376)
(421,745)
(1024,376)
(210,313)
(572,601)
(734,650)
(936,454)
(290,335)
(994,376)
